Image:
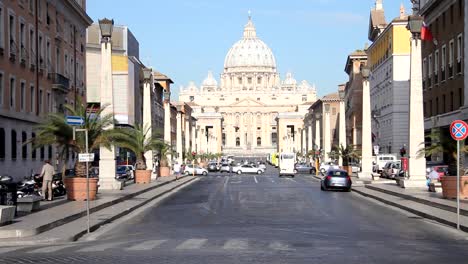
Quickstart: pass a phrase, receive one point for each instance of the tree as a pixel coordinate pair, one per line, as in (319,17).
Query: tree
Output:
(347,154)
(55,130)
(138,141)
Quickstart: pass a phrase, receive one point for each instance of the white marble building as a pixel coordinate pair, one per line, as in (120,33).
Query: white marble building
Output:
(245,113)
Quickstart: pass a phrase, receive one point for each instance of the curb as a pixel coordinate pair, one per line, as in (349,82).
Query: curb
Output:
(411,210)
(21,233)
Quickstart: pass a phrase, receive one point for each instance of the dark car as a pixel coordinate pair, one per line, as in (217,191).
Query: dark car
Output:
(304,168)
(122,173)
(336,179)
(212,166)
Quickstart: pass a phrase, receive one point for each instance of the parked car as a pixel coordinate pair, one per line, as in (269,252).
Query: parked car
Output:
(246,168)
(356,167)
(304,168)
(442,170)
(391,169)
(190,169)
(131,169)
(225,167)
(336,179)
(381,160)
(262,165)
(122,173)
(324,167)
(212,166)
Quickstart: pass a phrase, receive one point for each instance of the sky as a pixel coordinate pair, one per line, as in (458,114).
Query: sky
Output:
(184,39)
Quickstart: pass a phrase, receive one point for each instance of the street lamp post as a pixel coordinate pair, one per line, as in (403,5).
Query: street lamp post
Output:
(342,128)
(366,159)
(107,164)
(417,163)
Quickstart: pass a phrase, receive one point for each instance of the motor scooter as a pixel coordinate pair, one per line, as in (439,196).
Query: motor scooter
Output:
(26,187)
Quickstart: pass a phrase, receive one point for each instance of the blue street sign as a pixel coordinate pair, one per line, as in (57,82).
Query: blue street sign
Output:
(75,120)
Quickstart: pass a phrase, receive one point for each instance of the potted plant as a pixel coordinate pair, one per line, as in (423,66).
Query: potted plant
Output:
(443,144)
(164,150)
(55,131)
(139,141)
(347,153)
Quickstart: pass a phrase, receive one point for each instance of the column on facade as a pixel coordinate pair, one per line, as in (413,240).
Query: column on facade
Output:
(187,133)
(147,121)
(281,135)
(354,130)
(107,164)
(342,129)
(219,136)
(309,141)
(366,135)
(317,133)
(326,133)
(179,145)
(167,125)
(304,141)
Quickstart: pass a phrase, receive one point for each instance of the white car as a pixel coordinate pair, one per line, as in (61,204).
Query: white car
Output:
(189,169)
(324,167)
(247,169)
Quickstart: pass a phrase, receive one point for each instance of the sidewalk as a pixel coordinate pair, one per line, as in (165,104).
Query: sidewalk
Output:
(66,220)
(418,201)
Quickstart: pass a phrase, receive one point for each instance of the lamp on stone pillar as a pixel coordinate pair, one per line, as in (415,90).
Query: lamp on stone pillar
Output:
(366,159)
(107,164)
(417,163)
(326,132)
(147,83)
(342,127)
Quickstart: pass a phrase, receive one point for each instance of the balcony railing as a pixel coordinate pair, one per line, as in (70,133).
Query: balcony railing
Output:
(60,82)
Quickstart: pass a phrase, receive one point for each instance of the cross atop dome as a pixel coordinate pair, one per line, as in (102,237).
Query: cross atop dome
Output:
(249,28)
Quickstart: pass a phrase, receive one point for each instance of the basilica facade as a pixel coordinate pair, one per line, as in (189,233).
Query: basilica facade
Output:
(251,111)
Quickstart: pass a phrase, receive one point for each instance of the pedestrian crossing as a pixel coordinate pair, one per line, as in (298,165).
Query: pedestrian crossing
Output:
(232,244)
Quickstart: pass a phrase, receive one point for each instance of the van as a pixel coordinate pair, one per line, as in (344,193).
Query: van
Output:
(381,160)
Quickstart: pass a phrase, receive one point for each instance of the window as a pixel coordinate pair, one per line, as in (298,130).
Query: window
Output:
(451,52)
(237,99)
(42,153)
(33,150)
(460,97)
(258,98)
(12,35)
(239,80)
(237,141)
(32,98)
(12,92)
(1,89)
(48,103)
(40,101)
(2,143)
(47,14)
(237,129)
(304,98)
(49,153)
(48,56)
(2,28)
(429,82)
(333,110)
(424,72)
(259,128)
(57,60)
(274,138)
(32,45)
(444,61)
(24,148)
(23,95)
(259,80)
(41,51)
(249,80)
(39,9)
(31,6)
(459,53)
(65,65)
(259,141)
(451,14)
(13,145)
(436,66)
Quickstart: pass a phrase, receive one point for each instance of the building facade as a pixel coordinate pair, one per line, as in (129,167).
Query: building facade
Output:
(443,62)
(389,60)
(243,114)
(353,97)
(42,68)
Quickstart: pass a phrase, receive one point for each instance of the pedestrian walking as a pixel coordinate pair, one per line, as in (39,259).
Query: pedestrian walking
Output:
(47,174)
(177,170)
(432,178)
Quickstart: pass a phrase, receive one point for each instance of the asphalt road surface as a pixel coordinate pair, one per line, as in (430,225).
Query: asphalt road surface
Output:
(228,218)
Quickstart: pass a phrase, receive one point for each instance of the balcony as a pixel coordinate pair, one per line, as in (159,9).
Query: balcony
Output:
(60,82)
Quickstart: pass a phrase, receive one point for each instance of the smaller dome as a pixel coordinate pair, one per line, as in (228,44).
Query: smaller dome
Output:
(191,86)
(210,80)
(289,81)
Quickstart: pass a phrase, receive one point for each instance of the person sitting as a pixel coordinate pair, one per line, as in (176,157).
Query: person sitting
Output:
(432,178)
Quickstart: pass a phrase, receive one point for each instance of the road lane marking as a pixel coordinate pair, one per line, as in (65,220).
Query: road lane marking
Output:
(236,244)
(147,245)
(291,179)
(101,247)
(255,178)
(192,244)
(49,249)
(276,245)
(226,182)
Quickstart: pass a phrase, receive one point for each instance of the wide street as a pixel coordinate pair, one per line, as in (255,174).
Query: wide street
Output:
(226,218)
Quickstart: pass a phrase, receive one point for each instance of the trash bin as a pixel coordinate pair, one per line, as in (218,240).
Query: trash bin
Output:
(8,195)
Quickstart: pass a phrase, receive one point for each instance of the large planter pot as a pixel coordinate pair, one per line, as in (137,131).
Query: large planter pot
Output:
(348,169)
(449,187)
(164,171)
(76,188)
(142,176)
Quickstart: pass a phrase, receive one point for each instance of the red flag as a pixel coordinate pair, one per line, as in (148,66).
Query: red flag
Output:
(426,34)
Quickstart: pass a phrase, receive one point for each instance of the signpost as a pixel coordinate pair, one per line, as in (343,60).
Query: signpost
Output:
(458,131)
(82,157)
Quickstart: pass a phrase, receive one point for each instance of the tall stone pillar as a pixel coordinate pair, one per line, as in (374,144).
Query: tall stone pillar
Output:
(417,163)
(309,138)
(326,133)
(107,165)
(167,122)
(354,131)
(366,159)
(194,138)
(317,132)
(342,129)
(179,145)
(304,141)
(187,134)
(148,81)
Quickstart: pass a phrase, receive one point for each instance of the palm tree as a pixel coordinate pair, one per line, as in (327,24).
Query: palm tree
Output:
(138,141)
(347,153)
(55,130)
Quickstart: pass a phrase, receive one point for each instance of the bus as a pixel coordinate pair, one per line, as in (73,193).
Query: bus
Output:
(287,161)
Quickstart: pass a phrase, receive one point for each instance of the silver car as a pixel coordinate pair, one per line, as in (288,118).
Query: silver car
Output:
(247,169)
(336,179)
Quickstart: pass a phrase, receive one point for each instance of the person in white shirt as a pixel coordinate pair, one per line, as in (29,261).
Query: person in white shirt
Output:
(177,170)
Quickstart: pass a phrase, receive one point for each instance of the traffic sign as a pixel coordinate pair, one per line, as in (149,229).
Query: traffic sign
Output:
(459,130)
(85,157)
(75,120)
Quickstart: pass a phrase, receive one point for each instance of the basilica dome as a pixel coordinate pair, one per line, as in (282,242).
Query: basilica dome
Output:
(250,51)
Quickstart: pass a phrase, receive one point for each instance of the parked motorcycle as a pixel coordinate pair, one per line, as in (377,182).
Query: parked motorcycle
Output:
(27,187)
(58,187)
